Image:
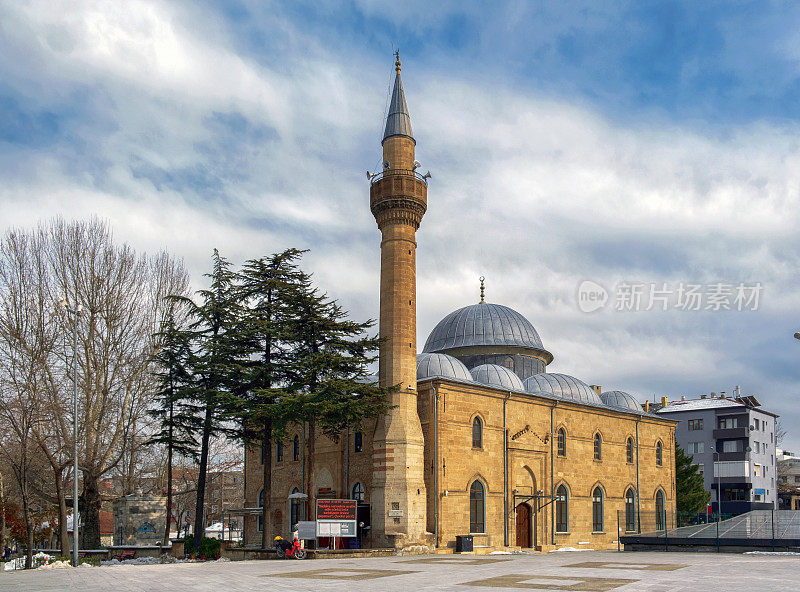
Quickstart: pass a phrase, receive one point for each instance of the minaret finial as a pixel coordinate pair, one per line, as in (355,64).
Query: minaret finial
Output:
(482,291)
(397,61)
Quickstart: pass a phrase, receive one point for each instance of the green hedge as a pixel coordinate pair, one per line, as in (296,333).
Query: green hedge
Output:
(209,548)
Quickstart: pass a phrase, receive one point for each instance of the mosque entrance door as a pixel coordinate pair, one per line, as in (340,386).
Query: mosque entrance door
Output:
(524,526)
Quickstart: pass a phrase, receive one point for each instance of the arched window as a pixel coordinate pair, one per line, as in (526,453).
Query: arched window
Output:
(629,450)
(562,509)
(562,442)
(279,452)
(296,448)
(477,433)
(295,507)
(477,507)
(659,453)
(358,442)
(597,509)
(630,510)
(357,492)
(260,518)
(660,516)
(598,447)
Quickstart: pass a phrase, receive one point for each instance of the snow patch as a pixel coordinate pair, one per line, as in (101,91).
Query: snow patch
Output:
(771,553)
(500,553)
(562,549)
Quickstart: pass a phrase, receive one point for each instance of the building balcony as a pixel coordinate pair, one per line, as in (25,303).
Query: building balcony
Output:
(731,433)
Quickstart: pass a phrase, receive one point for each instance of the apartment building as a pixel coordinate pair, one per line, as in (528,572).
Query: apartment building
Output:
(732,440)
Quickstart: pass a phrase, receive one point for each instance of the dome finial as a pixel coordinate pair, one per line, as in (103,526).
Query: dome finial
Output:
(483,291)
(397,61)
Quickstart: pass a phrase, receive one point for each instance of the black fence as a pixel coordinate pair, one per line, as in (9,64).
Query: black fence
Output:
(758,529)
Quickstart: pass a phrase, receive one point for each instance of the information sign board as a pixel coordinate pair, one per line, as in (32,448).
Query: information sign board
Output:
(336,509)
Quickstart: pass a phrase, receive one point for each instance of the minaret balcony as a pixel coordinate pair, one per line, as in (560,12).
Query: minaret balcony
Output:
(377,177)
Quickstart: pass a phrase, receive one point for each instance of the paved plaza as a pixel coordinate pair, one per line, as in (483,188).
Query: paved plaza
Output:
(591,571)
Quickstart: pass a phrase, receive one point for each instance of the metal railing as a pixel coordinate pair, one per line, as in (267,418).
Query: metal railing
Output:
(757,528)
(395,172)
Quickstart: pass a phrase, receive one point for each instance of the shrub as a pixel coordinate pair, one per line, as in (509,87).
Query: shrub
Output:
(209,548)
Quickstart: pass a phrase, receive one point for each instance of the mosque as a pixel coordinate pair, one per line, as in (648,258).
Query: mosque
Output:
(482,440)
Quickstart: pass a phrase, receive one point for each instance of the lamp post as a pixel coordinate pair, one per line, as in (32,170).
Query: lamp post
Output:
(717,470)
(75,517)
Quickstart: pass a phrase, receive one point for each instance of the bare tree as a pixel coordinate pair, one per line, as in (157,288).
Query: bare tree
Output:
(123,297)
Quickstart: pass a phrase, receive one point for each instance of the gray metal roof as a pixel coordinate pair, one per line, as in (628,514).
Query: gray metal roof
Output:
(621,400)
(698,404)
(494,375)
(562,386)
(398,122)
(483,324)
(429,365)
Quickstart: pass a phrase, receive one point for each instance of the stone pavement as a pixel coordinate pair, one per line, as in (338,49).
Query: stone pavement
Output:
(590,571)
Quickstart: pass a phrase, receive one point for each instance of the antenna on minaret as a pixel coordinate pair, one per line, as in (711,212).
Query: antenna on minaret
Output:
(483,290)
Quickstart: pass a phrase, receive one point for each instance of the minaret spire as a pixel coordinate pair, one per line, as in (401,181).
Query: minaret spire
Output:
(398,122)
(398,200)
(483,291)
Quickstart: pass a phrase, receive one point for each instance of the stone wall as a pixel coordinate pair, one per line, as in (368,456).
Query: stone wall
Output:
(139,519)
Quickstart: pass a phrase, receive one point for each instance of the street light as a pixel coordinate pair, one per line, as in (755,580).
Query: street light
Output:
(75,518)
(718,470)
(797,335)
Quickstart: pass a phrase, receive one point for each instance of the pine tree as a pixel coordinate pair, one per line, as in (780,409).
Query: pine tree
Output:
(269,288)
(691,496)
(177,420)
(214,366)
(331,392)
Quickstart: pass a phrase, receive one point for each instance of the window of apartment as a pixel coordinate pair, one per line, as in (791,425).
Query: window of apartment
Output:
(697,447)
(562,509)
(758,497)
(597,510)
(695,424)
(659,453)
(725,423)
(598,447)
(701,468)
(756,447)
(477,433)
(562,442)
(756,470)
(358,442)
(732,446)
(756,423)
(279,452)
(629,450)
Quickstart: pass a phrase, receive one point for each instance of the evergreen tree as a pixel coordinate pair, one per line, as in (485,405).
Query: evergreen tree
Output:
(215,366)
(176,419)
(331,392)
(269,288)
(692,498)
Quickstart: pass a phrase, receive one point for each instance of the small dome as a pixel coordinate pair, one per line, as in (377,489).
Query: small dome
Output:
(563,386)
(621,400)
(495,375)
(429,365)
(483,324)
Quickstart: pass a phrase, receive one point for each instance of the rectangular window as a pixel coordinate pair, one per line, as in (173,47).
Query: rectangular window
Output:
(697,447)
(756,447)
(726,423)
(755,423)
(756,470)
(732,446)
(695,424)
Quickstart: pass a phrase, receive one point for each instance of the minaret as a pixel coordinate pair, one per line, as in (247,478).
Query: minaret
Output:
(398,199)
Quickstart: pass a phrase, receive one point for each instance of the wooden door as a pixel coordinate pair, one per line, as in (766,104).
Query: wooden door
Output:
(524,526)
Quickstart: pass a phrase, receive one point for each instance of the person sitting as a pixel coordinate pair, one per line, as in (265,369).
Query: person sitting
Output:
(282,545)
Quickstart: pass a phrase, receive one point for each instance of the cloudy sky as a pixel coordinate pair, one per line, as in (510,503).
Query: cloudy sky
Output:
(636,144)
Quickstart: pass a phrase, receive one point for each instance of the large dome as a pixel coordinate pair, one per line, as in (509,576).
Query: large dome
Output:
(429,365)
(499,376)
(483,325)
(562,386)
(621,400)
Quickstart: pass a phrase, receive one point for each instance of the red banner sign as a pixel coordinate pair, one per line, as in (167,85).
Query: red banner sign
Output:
(336,509)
